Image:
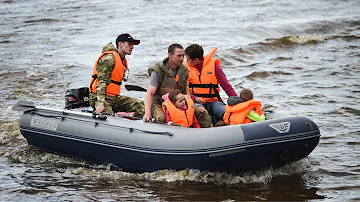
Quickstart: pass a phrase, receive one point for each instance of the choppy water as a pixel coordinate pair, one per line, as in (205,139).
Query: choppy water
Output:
(299,57)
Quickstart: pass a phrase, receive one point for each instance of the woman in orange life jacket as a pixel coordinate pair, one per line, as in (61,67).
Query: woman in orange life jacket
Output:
(179,109)
(238,108)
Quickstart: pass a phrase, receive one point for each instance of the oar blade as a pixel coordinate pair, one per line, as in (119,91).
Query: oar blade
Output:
(23,106)
(134,88)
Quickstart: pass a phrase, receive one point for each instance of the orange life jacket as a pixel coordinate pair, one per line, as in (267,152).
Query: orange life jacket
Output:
(117,74)
(202,84)
(236,114)
(179,117)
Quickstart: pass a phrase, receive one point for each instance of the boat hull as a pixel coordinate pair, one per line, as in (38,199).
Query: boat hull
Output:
(136,146)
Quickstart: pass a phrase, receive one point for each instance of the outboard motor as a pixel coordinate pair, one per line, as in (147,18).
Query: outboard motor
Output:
(77,98)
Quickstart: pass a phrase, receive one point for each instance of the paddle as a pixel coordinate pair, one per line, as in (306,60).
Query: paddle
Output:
(23,106)
(134,88)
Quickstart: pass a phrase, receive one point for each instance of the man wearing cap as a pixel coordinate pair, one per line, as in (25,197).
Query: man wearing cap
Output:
(107,76)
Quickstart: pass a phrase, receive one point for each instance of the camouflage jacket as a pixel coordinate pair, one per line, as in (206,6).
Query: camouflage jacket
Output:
(168,80)
(104,68)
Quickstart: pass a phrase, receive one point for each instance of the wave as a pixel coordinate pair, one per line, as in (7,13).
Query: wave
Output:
(317,32)
(44,20)
(346,38)
(265,74)
(230,179)
(283,42)
(5,41)
(104,173)
(256,53)
(302,39)
(10,134)
(269,47)
(345,111)
(351,111)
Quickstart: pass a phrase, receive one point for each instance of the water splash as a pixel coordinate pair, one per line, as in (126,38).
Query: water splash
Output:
(10,134)
(104,173)
(303,39)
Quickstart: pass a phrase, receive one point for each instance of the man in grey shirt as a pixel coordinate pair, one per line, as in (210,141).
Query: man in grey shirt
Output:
(165,76)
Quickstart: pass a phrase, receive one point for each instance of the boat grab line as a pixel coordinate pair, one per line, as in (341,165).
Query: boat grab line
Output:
(97,124)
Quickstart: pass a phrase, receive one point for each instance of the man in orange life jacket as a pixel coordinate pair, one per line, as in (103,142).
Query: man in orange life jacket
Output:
(205,76)
(107,76)
(165,76)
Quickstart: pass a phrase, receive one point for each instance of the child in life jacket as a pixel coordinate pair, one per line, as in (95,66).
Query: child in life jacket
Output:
(179,109)
(243,109)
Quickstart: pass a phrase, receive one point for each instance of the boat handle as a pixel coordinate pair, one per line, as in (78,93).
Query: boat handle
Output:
(99,116)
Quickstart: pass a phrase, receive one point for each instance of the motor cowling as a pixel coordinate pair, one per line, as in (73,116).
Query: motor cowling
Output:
(77,98)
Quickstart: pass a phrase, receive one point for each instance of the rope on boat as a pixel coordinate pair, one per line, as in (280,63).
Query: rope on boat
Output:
(131,130)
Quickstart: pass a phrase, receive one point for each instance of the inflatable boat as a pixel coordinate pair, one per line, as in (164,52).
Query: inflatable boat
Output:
(136,146)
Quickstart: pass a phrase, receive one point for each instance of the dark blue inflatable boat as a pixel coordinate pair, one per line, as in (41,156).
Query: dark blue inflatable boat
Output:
(136,146)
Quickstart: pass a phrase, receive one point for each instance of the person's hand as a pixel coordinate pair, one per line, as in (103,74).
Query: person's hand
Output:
(170,123)
(199,100)
(147,117)
(99,109)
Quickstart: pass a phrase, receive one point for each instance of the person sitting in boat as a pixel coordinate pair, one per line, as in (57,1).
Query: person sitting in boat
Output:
(107,76)
(205,76)
(179,109)
(243,109)
(165,76)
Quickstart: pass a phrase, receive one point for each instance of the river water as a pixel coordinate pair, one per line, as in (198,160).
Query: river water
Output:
(299,57)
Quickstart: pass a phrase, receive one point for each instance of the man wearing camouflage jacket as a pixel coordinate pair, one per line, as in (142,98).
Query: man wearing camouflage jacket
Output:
(107,76)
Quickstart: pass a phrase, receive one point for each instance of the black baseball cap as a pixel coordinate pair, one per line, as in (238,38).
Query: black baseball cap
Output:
(127,37)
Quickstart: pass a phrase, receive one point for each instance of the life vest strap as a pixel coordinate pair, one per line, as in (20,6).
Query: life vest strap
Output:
(94,76)
(229,118)
(205,95)
(112,81)
(216,92)
(191,85)
(116,82)
(209,95)
(211,87)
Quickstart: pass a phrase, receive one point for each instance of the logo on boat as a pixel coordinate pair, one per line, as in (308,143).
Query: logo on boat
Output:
(47,124)
(282,127)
